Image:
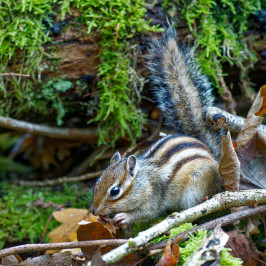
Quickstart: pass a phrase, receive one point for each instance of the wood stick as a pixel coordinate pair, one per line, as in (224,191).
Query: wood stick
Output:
(48,131)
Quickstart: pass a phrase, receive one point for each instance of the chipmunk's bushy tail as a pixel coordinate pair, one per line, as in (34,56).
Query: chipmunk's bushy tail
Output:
(181,90)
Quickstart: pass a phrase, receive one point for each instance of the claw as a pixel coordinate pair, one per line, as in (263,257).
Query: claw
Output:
(120,219)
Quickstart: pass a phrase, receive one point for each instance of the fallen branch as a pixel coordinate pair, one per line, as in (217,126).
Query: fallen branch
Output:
(220,201)
(223,221)
(63,245)
(14,74)
(48,131)
(235,123)
(58,181)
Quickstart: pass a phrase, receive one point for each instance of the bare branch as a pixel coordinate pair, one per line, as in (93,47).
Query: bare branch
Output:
(48,131)
(57,181)
(235,123)
(220,201)
(14,74)
(227,95)
(63,245)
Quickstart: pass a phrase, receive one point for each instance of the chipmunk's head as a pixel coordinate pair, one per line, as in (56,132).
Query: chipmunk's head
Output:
(114,192)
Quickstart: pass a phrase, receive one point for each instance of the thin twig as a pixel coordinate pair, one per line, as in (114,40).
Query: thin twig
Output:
(58,181)
(223,221)
(227,95)
(48,131)
(15,74)
(63,245)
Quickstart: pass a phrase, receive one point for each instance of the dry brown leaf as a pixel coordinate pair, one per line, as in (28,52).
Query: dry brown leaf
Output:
(253,167)
(251,228)
(241,249)
(254,118)
(93,231)
(61,259)
(229,164)
(67,231)
(12,260)
(170,255)
(97,231)
(43,152)
(41,260)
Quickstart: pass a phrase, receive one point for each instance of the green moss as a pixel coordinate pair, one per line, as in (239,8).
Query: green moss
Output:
(187,248)
(228,260)
(118,22)
(23,34)
(20,219)
(219,33)
(174,231)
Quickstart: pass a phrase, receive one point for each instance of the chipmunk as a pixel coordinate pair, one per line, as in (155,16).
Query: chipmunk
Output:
(177,171)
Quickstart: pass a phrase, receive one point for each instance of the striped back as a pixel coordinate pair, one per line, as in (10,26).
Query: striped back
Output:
(176,150)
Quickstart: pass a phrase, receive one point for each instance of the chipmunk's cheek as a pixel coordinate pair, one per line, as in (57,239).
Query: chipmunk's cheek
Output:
(121,219)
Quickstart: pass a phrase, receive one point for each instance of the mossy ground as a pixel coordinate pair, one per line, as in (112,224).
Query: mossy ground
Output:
(20,220)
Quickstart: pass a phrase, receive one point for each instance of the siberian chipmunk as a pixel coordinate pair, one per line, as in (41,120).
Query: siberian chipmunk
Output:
(177,171)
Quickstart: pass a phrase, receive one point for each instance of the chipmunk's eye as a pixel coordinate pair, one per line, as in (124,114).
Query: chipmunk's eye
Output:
(115,191)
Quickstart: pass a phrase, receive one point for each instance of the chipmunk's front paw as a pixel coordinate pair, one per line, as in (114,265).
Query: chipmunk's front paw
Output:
(121,219)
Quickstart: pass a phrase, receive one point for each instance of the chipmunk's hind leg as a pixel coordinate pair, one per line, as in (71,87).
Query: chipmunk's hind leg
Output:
(205,180)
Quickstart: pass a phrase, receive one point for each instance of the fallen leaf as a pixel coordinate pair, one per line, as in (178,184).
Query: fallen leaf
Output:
(59,258)
(12,260)
(252,157)
(44,152)
(97,231)
(251,228)
(67,231)
(240,247)
(170,255)
(229,164)
(93,231)
(254,119)
(41,260)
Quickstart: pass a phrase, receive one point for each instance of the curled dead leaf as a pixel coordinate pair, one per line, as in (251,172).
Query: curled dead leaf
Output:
(254,118)
(229,164)
(170,255)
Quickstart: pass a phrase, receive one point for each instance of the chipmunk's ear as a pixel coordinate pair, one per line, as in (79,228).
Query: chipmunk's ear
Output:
(116,158)
(132,165)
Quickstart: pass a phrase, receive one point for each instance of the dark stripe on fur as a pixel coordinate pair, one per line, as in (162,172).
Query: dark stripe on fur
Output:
(181,163)
(155,147)
(177,148)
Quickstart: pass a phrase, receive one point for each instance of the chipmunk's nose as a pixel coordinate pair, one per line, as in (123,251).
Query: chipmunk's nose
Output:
(95,212)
